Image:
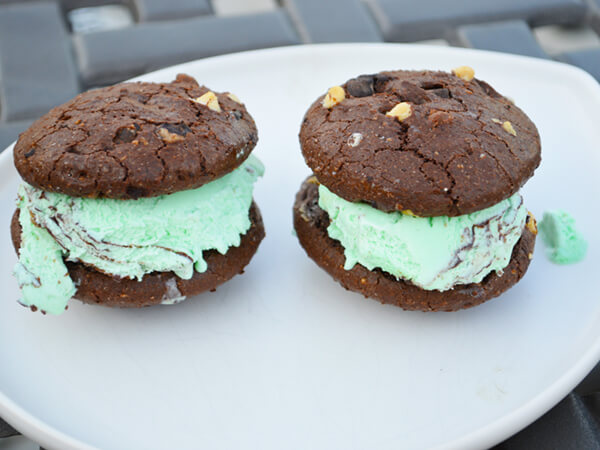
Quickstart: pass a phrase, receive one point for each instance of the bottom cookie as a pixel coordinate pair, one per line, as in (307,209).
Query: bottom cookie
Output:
(311,223)
(160,287)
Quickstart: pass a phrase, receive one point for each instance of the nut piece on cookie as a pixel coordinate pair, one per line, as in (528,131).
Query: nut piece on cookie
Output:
(464,72)
(169,137)
(401,111)
(335,95)
(531,223)
(355,139)
(209,99)
(234,98)
(506,125)
(408,212)
(509,128)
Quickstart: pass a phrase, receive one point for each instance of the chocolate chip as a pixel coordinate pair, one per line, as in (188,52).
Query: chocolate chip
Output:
(436,89)
(178,128)
(136,192)
(431,85)
(31,152)
(441,92)
(410,92)
(236,114)
(125,134)
(362,86)
(380,82)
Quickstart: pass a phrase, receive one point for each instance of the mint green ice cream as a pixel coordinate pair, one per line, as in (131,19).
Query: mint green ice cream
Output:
(430,252)
(41,272)
(127,238)
(564,244)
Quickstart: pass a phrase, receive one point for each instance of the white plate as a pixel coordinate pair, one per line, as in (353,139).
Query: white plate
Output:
(283,357)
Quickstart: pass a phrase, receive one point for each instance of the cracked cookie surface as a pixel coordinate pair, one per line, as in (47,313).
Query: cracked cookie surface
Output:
(311,222)
(136,140)
(462,148)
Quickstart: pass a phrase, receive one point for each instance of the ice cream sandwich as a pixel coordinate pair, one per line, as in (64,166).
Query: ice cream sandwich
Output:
(134,195)
(415,196)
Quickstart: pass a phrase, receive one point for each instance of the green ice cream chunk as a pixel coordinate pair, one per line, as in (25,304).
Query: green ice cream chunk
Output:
(430,252)
(564,244)
(129,238)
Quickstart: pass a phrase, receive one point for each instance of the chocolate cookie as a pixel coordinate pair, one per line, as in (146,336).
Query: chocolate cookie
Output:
(452,147)
(311,222)
(136,140)
(159,287)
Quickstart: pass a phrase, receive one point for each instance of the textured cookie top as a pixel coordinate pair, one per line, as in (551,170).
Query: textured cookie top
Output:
(136,140)
(434,143)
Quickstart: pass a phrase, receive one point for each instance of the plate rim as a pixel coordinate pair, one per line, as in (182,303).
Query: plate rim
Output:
(490,434)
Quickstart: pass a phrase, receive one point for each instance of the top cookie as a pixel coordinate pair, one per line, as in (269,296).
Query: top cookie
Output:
(136,140)
(453,146)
